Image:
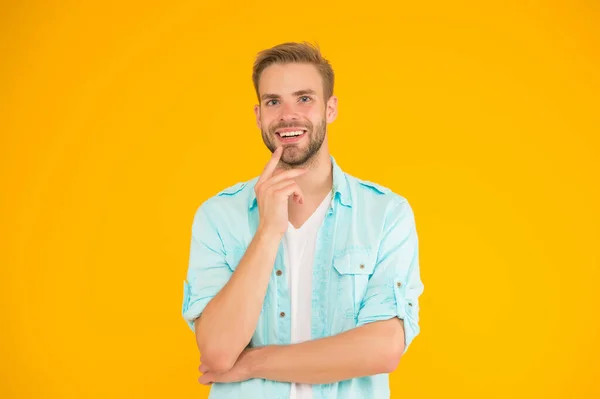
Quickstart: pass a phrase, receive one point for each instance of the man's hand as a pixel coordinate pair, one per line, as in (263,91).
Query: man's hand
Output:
(241,371)
(273,189)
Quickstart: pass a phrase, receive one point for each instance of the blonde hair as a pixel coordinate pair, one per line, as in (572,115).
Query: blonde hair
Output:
(293,52)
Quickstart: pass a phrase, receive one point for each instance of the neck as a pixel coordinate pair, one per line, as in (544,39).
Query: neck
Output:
(319,178)
(315,185)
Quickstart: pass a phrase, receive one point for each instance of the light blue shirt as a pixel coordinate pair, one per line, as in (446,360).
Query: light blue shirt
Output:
(366,269)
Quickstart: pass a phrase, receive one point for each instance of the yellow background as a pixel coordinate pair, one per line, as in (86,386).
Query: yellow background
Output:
(117,121)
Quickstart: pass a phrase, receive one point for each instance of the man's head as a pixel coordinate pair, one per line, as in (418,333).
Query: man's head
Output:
(294,86)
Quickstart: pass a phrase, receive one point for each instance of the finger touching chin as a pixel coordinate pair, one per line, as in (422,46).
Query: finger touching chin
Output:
(206,379)
(203,368)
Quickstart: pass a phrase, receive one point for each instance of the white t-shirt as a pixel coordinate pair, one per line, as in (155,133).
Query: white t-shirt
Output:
(300,253)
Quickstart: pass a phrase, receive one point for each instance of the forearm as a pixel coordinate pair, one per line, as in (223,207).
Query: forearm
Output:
(368,350)
(230,318)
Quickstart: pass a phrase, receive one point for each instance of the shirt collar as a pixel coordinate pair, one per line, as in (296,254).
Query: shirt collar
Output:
(340,187)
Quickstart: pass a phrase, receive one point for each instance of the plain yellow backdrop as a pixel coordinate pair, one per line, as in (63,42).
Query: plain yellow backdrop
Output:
(117,119)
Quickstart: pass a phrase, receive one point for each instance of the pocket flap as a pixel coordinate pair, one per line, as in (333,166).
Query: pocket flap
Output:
(358,262)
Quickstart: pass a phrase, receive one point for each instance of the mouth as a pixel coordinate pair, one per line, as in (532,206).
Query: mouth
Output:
(290,135)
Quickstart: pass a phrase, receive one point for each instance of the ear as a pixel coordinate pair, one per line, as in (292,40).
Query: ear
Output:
(331,109)
(257,114)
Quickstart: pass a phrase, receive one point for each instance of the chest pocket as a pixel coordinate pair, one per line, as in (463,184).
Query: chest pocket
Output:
(354,268)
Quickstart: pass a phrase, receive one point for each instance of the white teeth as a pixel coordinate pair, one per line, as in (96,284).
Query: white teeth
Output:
(291,134)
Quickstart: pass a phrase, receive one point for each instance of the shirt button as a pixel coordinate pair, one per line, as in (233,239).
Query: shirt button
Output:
(362,266)
(282,314)
(410,304)
(399,284)
(279,272)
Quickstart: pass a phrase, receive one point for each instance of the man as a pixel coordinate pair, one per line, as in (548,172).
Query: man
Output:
(303,282)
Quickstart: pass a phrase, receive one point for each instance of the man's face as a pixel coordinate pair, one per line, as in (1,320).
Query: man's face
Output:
(292,112)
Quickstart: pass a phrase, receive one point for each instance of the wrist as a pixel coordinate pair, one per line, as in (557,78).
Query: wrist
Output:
(258,361)
(267,235)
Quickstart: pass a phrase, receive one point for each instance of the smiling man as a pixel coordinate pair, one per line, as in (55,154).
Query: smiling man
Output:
(302,282)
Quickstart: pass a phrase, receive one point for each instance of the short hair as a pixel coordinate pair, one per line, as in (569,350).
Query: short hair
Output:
(293,52)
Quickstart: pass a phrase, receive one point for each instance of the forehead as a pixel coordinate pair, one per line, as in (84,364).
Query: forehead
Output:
(285,79)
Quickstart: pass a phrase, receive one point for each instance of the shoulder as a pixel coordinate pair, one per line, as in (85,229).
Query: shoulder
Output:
(366,190)
(380,204)
(232,200)
(234,189)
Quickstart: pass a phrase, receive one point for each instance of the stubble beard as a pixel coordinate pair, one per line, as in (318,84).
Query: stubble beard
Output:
(293,155)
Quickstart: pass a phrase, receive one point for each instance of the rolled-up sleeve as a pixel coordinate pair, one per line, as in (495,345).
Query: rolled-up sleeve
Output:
(395,286)
(207,271)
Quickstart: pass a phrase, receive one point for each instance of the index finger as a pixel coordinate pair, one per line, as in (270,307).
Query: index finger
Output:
(271,165)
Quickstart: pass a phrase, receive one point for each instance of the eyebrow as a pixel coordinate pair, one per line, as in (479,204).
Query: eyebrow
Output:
(269,96)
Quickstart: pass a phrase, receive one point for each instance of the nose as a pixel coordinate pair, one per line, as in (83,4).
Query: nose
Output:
(288,112)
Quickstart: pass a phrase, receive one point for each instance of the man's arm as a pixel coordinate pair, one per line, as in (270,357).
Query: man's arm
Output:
(222,306)
(372,349)
(229,320)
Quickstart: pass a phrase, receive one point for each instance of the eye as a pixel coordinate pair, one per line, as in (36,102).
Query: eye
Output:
(305,99)
(271,102)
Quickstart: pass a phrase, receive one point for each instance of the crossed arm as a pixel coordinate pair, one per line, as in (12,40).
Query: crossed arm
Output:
(387,320)
(371,349)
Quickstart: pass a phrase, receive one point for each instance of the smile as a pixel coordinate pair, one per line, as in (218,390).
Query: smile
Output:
(291,136)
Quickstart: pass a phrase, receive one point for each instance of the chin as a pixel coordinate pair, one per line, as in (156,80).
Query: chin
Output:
(296,161)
